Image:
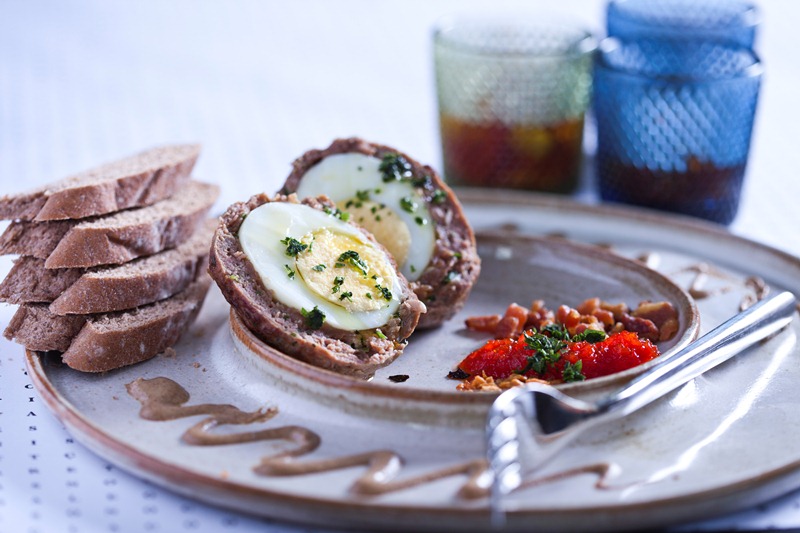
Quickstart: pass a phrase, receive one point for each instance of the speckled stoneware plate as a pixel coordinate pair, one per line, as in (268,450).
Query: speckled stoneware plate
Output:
(224,422)
(514,268)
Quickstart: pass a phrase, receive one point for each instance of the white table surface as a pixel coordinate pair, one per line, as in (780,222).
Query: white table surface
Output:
(258,83)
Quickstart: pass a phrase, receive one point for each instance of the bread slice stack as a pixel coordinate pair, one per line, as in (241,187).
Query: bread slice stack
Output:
(112,261)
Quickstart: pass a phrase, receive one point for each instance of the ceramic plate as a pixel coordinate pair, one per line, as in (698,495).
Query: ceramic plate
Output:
(515,268)
(219,423)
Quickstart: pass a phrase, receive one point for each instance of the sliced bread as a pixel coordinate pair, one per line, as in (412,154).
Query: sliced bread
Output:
(29,281)
(35,327)
(101,290)
(138,180)
(34,239)
(98,343)
(117,238)
(126,235)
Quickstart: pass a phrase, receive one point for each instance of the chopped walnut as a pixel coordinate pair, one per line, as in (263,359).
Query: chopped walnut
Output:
(662,314)
(489,384)
(656,321)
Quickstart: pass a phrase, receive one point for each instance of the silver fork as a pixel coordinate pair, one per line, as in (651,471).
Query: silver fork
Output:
(528,425)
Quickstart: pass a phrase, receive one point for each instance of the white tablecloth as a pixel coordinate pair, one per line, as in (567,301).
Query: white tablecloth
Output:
(258,83)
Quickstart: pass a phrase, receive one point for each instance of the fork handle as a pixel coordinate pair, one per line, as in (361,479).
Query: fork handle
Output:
(723,342)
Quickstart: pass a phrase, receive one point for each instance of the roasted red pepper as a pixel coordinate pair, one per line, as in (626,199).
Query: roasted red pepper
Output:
(570,361)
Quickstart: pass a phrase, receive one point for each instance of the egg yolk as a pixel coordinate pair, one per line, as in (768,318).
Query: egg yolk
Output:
(384,224)
(345,271)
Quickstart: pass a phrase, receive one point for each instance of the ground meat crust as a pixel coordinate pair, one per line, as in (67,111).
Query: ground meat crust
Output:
(357,353)
(446,282)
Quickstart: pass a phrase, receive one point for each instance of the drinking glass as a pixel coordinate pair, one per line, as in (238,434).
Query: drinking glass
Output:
(732,21)
(512,94)
(674,121)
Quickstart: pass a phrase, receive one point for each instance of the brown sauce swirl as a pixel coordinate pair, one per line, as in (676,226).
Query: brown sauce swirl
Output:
(163,399)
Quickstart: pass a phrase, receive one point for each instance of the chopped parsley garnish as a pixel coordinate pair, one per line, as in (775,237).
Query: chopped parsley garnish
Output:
(420,221)
(572,372)
(556,331)
(337,282)
(450,276)
(346,296)
(424,181)
(350,257)
(289,271)
(363,195)
(395,167)
(548,345)
(438,196)
(369,295)
(408,204)
(546,351)
(590,335)
(386,293)
(318,268)
(293,246)
(314,318)
(336,212)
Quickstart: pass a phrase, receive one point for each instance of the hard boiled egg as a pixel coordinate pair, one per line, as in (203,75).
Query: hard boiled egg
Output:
(376,195)
(319,264)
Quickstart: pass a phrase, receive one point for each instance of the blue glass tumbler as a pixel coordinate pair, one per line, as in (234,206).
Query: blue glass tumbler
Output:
(674,121)
(732,21)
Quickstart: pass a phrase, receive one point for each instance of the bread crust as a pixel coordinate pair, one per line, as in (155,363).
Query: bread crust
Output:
(445,283)
(138,180)
(358,353)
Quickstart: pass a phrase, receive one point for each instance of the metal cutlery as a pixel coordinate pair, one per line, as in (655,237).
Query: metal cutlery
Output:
(528,425)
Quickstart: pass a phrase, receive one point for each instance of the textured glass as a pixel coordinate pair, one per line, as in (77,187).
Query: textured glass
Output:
(674,120)
(732,21)
(512,97)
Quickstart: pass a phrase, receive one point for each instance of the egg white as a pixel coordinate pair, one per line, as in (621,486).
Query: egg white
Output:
(340,176)
(260,236)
